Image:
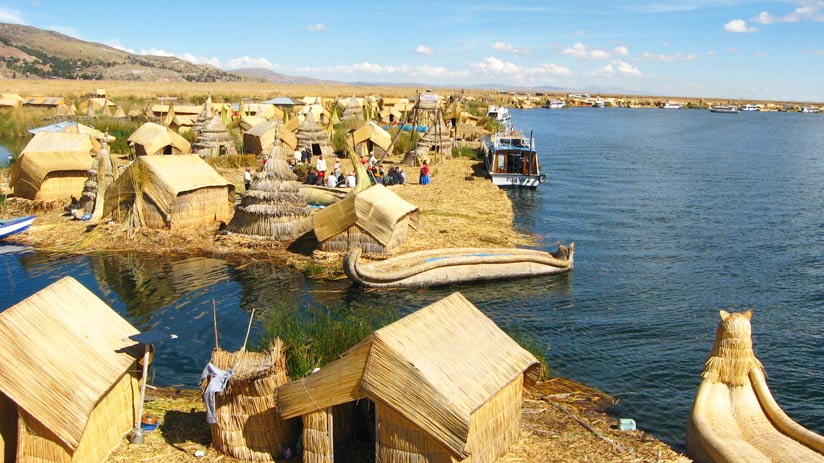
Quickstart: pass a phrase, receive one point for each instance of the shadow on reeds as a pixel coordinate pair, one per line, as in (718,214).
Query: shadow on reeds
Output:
(305,244)
(478,170)
(181,427)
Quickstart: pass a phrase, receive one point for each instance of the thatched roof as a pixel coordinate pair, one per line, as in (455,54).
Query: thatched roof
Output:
(214,137)
(375,133)
(375,210)
(167,177)
(74,127)
(274,207)
(51,152)
(310,132)
(435,367)
(155,137)
(265,132)
(62,349)
(352,109)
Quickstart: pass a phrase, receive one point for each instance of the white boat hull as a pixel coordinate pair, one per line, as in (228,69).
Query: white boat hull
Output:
(515,180)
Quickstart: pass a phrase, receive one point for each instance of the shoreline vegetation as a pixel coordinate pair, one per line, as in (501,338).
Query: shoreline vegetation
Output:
(562,420)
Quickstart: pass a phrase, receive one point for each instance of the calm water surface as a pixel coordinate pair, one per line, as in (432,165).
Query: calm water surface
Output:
(675,215)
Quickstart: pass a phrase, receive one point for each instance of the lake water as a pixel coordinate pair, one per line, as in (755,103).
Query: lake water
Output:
(675,215)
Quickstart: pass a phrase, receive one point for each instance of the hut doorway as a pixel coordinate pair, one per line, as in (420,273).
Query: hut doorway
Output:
(354,431)
(167,149)
(8,428)
(316,151)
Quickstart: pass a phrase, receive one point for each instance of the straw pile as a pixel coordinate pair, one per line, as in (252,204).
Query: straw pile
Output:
(101,175)
(310,133)
(274,207)
(248,426)
(214,139)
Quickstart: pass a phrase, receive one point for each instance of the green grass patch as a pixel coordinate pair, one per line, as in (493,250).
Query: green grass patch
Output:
(531,344)
(322,335)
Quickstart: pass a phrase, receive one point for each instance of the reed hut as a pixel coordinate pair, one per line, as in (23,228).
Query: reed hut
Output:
(376,220)
(68,386)
(53,166)
(101,175)
(260,139)
(171,192)
(246,421)
(311,134)
(352,108)
(274,207)
(214,140)
(443,384)
(151,139)
(370,136)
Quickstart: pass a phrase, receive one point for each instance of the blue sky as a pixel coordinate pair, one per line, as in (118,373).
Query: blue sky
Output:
(772,50)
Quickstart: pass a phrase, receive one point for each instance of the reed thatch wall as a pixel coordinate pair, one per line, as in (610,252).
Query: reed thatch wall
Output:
(110,420)
(317,437)
(190,209)
(355,236)
(248,426)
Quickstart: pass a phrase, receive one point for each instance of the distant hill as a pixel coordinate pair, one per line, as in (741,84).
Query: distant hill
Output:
(267,75)
(29,53)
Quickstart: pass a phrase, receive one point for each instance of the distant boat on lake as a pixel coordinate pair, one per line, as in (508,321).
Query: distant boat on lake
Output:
(809,109)
(671,105)
(725,108)
(555,104)
(750,107)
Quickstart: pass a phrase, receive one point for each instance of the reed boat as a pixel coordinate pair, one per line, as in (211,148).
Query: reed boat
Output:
(735,418)
(14,226)
(437,267)
(317,195)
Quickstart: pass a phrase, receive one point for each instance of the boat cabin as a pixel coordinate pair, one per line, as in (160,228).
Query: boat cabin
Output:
(514,155)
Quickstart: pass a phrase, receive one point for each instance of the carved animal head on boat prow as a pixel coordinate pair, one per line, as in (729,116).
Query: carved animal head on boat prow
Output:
(732,356)
(563,252)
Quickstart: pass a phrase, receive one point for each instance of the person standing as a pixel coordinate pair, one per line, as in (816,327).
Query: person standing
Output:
(247,178)
(320,166)
(336,167)
(351,180)
(298,156)
(425,173)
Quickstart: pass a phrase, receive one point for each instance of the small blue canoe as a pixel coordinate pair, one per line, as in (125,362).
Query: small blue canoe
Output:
(10,227)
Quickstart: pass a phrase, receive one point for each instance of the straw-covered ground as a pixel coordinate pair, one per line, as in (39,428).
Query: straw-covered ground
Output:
(562,421)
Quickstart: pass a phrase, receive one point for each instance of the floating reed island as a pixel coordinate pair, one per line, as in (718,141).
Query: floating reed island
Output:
(165,200)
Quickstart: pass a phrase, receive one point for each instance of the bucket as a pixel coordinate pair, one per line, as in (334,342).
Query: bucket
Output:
(136,436)
(626,424)
(149,422)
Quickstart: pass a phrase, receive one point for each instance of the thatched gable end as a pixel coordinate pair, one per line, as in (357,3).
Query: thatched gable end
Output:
(167,178)
(63,353)
(377,211)
(151,138)
(52,166)
(436,368)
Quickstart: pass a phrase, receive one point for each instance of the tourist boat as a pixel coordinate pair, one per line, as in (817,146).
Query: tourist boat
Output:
(750,107)
(724,108)
(808,109)
(436,267)
(555,104)
(500,114)
(511,160)
(598,103)
(671,105)
(10,227)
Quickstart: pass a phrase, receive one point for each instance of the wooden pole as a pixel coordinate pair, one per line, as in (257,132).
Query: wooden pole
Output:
(139,416)
(214,317)
(248,330)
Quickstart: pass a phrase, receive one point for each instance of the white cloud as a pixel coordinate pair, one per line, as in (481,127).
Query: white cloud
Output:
(581,51)
(115,43)
(809,10)
(242,62)
(8,15)
(761,54)
(739,25)
(711,53)
(316,27)
(668,58)
(620,51)
(155,52)
(497,67)
(616,68)
(508,48)
(424,50)
(200,59)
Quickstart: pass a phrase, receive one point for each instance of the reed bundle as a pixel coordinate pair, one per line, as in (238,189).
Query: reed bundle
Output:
(248,426)
(732,356)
